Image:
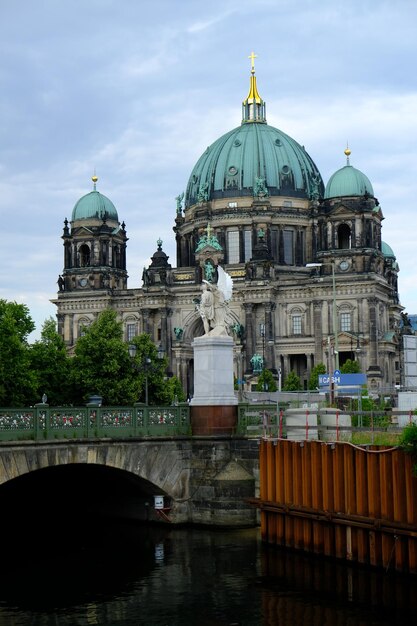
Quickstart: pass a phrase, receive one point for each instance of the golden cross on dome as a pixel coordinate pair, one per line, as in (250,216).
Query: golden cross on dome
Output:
(252,57)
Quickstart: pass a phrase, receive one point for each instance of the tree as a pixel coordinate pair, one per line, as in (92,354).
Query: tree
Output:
(292,382)
(318,369)
(51,366)
(350,367)
(150,372)
(17,381)
(102,365)
(173,391)
(266,381)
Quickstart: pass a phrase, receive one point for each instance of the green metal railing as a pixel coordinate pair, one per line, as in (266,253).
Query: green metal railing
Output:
(270,420)
(46,423)
(41,422)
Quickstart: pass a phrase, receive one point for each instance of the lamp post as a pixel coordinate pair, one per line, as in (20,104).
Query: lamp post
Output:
(335,328)
(146,364)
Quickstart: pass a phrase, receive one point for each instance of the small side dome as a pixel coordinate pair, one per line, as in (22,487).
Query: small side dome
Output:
(348,182)
(94,205)
(387,251)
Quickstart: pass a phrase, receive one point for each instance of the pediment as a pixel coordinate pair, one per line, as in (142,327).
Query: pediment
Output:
(341,210)
(83,231)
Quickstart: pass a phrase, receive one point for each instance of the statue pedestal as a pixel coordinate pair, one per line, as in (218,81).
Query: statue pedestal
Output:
(214,405)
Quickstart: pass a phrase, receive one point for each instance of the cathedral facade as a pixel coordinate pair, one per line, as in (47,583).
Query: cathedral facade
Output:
(313,281)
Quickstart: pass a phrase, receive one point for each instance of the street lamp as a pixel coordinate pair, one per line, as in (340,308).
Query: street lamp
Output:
(146,364)
(335,328)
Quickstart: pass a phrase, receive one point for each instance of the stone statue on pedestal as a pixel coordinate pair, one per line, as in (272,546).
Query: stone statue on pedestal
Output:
(213,306)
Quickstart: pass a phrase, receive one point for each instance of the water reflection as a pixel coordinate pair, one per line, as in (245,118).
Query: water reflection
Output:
(127,575)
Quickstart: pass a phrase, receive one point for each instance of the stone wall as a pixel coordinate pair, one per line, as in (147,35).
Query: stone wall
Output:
(203,480)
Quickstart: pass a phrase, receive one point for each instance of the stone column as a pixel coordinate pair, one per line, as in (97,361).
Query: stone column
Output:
(250,339)
(164,329)
(374,374)
(287,365)
(145,321)
(71,329)
(317,330)
(269,336)
(373,332)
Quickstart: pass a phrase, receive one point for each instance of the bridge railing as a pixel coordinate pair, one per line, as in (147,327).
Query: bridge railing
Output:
(46,423)
(270,420)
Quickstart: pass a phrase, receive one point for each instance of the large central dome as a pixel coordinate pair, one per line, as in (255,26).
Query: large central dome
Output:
(251,153)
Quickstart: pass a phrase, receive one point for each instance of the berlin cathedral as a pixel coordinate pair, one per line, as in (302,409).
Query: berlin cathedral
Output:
(313,280)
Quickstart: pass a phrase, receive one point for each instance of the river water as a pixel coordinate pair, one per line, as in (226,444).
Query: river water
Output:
(129,575)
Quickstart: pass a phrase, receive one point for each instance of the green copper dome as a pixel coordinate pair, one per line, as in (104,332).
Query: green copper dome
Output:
(254,159)
(94,205)
(387,251)
(347,182)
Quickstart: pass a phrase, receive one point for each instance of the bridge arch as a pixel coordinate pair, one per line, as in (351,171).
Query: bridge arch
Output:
(149,468)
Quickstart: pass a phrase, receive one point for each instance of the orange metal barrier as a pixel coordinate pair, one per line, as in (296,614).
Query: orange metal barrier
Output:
(340,500)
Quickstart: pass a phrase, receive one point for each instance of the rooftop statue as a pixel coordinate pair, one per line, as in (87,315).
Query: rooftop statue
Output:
(213,306)
(208,239)
(179,200)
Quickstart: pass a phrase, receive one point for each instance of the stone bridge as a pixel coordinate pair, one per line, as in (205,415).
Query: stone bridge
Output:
(202,480)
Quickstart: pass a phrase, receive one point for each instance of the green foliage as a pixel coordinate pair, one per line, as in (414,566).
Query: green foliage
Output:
(266,381)
(102,365)
(22,322)
(51,366)
(292,382)
(172,392)
(350,367)
(147,364)
(320,368)
(408,442)
(17,380)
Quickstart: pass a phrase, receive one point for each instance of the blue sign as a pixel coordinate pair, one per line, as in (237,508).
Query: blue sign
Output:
(342,380)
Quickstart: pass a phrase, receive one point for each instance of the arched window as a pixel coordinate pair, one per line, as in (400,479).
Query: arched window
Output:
(83,324)
(344,237)
(84,252)
(131,328)
(296,321)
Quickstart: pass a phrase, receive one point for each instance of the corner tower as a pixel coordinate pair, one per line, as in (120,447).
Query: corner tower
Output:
(94,246)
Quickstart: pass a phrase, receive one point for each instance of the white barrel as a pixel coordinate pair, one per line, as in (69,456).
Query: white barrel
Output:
(301,424)
(330,421)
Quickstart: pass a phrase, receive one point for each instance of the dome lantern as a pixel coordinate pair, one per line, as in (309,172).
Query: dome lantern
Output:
(253,107)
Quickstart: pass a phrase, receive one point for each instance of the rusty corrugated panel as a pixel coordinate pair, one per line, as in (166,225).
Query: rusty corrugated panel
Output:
(340,500)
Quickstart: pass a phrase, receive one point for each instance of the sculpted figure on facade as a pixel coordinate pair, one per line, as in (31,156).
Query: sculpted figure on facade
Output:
(260,189)
(179,200)
(208,271)
(257,363)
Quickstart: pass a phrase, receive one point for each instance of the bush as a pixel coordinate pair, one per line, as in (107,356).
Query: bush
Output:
(408,443)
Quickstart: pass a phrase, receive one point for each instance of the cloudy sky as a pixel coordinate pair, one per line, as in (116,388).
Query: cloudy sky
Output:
(136,90)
